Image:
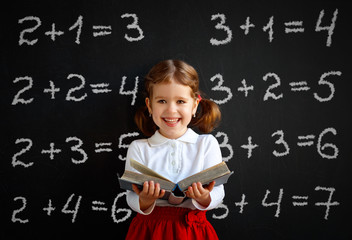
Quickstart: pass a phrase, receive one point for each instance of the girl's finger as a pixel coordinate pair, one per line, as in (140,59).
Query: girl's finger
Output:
(136,189)
(200,188)
(162,193)
(195,190)
(211,186)
(157,190)
(190,193)
(151,188)
(145,187)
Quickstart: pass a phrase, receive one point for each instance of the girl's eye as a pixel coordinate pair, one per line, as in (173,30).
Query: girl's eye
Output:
(161,101)
(180,102)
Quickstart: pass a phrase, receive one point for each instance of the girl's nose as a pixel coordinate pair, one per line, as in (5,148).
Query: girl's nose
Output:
(171,107)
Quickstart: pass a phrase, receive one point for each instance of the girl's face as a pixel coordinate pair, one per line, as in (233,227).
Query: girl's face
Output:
(172,108)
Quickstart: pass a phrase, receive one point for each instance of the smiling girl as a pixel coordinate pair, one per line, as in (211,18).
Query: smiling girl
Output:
(174,106)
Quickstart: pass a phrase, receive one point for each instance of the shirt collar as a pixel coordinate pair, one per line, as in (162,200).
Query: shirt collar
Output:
(157,139)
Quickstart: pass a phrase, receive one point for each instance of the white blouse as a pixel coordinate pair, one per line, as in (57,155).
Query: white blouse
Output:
(176,159)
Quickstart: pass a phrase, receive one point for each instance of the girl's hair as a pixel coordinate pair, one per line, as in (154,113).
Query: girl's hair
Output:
(208,115)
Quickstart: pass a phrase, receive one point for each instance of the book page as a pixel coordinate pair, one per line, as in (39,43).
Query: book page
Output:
(133,177)
(206,176)
(145,170)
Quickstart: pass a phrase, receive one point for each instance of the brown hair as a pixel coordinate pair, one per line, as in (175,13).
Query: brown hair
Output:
(208,116)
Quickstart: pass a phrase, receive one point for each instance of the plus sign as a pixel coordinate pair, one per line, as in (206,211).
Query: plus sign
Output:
(246,26)
(51,151)
(52,90)
(245,88)
(249,146)
(53,33)
(242,203)
(49,208)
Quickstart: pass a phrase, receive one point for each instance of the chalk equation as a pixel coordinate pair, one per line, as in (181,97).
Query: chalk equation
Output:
(291,27)
(118,215)
(71,207)
(296,201)
(97,30)
(273,91)
(73,94)
(325,150)
(136,32)
(77,143)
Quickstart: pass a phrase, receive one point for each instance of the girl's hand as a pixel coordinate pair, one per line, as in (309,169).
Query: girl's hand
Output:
(200,194)
(148,194)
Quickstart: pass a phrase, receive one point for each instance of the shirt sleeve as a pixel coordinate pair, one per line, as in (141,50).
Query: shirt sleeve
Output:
(132,198)
(212,156)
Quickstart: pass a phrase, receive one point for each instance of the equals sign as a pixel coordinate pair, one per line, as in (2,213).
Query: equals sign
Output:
(303,201)
(101,31)
(290,27)
(100,88)
(101,147)
(305,140)
(299,86)
(98,206)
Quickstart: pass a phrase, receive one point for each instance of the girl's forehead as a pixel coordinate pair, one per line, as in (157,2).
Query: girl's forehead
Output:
(172,87)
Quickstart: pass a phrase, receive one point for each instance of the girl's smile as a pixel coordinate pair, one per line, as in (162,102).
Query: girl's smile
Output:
(171,122)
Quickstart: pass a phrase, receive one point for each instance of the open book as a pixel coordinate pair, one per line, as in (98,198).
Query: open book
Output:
(175,192)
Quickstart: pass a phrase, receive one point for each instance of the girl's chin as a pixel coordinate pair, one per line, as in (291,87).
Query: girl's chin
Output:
(172,133)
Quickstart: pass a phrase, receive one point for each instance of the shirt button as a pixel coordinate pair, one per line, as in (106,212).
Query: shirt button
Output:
(173,163)
(172,154)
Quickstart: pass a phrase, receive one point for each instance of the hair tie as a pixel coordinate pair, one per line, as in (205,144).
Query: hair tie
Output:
(199,97)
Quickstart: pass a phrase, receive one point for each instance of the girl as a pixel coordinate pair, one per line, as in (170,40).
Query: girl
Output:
(175,151)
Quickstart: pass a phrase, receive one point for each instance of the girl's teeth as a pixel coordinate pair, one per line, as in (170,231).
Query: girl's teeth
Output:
(171,120)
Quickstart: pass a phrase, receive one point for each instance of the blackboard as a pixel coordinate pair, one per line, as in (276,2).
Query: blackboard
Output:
(72,77)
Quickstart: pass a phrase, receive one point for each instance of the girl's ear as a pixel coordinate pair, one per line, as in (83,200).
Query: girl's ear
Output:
(148,104)
(196,103)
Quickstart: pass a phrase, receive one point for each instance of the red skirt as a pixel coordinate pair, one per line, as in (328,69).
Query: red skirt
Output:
(172,223)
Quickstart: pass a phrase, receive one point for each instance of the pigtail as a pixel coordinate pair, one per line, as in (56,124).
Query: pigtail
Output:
(208,116)
(144,122)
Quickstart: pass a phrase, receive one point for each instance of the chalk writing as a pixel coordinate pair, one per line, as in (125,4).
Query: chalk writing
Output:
(297,201)
(325,150)
(99,206)
(289,26)
(220,25)
(242,203)
(225,144)
(74,211)
(49,209)
(15,161)
(51,151)
(98,30)
(102,31)
(74,94)
(72,207)
(250,146)
(115,211)
(17,211)
(78,93)
(301,201)
(122,145)
(99,147)
(73,203)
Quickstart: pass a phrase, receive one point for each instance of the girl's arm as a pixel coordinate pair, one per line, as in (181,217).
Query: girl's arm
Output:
(209,197)
(141,201)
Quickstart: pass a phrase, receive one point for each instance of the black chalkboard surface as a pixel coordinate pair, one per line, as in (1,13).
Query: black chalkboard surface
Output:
(72,77)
